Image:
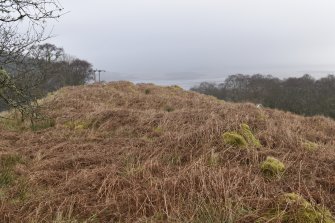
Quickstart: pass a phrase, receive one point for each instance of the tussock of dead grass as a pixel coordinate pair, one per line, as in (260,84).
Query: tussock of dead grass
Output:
(135,162)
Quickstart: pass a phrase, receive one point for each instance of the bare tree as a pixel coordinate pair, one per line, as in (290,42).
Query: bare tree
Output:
(34,10)
(22,25)
(57,69)
(47,52)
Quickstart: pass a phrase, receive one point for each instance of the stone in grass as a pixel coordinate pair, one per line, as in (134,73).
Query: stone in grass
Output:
(272,167)
(234,139)
(293,208)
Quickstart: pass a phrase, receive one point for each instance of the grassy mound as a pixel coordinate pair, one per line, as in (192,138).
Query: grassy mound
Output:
(140,153)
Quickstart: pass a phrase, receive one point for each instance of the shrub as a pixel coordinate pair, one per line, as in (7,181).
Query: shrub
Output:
(272,167)
(234,139)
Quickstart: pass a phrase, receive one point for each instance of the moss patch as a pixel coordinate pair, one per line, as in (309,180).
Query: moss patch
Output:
(234,139)
(243,138)
(13,122)
(249,136)
(169,108)
(293,208)
(43,124)
(214,159)
(310,146)
(6,177)
(158,130)
(77,124)
(176,87)
(7,163)
(272,167)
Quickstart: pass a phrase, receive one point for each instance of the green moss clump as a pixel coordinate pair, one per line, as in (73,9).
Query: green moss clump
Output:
(169,108)
(4,77)
(242,138)
(43,124)
(173,159)
(219,100)
(77,125)
(158,130)
(234,139)
(80,126)
(310,146)
(249,136)
(176,87)
(293,208)
(14,121)
(6,177)
(214,159)
(147,91)
(7,163)
(272,167)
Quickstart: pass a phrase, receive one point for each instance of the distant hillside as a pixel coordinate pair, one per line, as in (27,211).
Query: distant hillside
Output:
(141,153)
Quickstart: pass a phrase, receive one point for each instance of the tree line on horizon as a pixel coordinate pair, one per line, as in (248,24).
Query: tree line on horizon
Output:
(23,26)
(301,95)
(30,67)
(45,69)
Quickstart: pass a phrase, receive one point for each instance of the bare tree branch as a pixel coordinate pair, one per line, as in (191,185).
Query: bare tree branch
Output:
(23,25)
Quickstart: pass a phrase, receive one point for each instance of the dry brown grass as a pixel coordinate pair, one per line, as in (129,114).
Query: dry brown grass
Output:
(117,154)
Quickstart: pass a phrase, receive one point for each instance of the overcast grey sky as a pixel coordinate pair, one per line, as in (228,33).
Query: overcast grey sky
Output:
(200,39)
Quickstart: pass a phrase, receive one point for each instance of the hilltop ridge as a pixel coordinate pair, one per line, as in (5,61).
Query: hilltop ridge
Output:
(121,152)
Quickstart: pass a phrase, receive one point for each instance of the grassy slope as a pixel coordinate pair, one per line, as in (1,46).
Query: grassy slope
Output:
(141,153)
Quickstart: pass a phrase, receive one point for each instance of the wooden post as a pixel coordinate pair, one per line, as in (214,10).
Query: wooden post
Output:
(99,73)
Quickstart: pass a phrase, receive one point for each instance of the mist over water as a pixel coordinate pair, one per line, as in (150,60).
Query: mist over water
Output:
(184,42)
(195,79)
